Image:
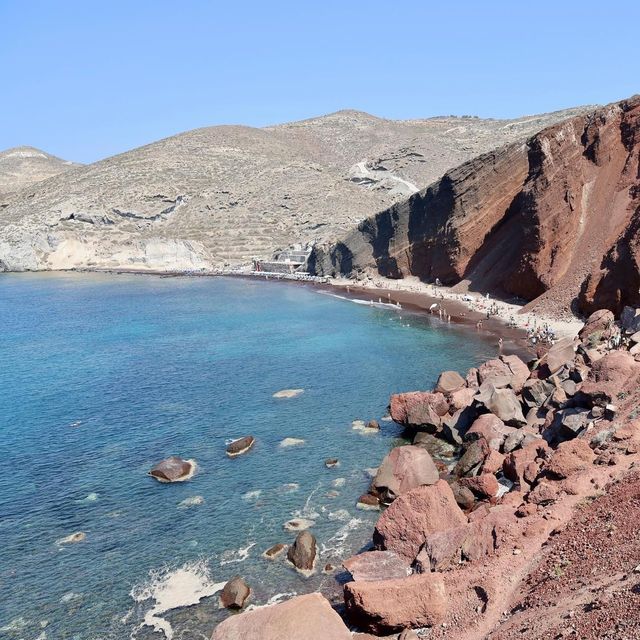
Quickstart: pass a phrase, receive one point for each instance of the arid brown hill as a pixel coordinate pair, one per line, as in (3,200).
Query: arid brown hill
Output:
(24,166)
(554,221)
(230,193)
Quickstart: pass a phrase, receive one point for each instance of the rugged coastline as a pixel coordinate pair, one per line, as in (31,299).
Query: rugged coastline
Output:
(456,553)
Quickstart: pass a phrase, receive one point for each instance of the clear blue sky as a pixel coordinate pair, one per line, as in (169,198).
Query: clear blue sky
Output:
(84,79)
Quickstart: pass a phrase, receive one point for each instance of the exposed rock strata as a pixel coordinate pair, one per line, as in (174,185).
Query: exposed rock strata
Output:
(556,220)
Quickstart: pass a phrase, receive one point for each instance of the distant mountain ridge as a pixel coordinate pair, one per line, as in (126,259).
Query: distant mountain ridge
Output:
(226,194)
(23,166)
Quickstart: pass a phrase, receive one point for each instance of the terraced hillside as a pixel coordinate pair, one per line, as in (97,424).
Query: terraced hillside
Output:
(223,195)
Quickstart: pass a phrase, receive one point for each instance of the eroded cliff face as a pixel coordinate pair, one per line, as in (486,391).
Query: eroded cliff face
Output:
(554,221)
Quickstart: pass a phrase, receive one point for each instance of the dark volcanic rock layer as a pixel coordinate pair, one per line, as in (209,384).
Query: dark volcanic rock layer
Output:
(555,220)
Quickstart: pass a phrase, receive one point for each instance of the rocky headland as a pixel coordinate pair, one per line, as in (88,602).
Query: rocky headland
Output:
(527,532)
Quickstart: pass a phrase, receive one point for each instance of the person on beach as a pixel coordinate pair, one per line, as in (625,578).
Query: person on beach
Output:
(500,341)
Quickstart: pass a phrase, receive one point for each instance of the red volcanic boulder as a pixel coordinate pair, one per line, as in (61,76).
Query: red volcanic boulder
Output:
(491,428)
(376,565)
(597,328)
(450,381)
(493,462)
(561,353)
(502,403)
(446,549)
(418,409)
(506,371)
(403,469)
(235,593)
(475,454)
(609,376)
(173,469)
(389,606)
(484,485)
(404,526)
(461,399)
(521,466)
(569,458)
(302,553)
(310,617)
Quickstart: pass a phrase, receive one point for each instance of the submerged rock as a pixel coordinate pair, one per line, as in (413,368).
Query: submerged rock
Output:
(298,524)
(288,393)
(330,463)
(240,446)
(291,442)
(235,593)
(308,617)
(173,469)
(191,501)
(302,553)
(275,551)
(78,536)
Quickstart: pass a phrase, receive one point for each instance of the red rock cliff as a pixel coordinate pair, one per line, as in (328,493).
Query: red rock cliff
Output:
(555,221)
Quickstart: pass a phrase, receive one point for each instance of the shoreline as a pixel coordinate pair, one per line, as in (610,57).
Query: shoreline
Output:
(412,295)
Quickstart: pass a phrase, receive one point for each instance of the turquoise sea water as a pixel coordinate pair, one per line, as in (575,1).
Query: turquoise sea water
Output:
(101,376)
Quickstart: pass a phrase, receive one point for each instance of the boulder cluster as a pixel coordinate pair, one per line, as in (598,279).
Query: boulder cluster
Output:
(526,437)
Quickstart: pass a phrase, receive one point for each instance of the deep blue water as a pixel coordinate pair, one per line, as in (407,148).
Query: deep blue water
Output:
(101,376)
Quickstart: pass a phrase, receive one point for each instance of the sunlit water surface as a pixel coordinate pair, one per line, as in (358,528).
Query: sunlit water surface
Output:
(101,376)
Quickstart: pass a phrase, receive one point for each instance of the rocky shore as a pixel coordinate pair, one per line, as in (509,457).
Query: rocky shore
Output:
(534,512)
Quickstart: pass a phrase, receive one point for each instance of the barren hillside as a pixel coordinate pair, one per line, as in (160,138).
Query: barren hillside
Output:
(230,193)
(24,166)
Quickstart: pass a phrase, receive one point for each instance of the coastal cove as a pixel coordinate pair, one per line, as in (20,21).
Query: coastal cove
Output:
(103,375)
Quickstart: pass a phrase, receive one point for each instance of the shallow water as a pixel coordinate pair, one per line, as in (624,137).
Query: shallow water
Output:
(101,376)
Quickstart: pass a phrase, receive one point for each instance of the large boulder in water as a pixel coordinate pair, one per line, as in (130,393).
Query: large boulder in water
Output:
(173,469)
(419,409)
(302,553)
(308,617)
(388,606)
(404,526)
(403,469)
(240,446)
(235,593)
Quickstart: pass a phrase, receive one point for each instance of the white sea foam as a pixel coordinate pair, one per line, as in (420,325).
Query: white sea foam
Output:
(239,555)
(338,482)
(336,544)
(173,588)
(279,597)
(250,496)
(290,487)
(340,514)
